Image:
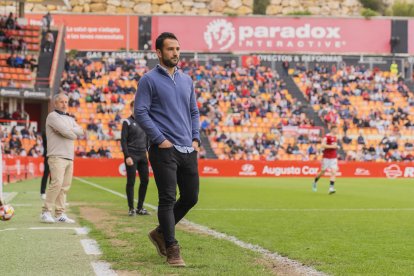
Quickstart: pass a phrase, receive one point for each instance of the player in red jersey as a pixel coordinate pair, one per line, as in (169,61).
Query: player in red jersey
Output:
(330,160)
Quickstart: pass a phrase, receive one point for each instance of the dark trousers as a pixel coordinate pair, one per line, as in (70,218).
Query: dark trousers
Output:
(45,177)
(140,164)
(172,168)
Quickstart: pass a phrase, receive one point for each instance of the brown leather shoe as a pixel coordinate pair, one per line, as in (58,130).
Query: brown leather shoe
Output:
(174,257)
(157,240)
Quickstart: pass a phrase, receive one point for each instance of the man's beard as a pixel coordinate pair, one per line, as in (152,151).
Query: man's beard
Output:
(169,63)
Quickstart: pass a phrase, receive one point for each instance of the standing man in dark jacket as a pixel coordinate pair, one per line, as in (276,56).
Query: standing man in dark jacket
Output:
(46,169)
(166,109)
(134,146)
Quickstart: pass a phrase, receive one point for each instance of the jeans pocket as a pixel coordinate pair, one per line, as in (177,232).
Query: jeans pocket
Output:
(192,157)
(161,154)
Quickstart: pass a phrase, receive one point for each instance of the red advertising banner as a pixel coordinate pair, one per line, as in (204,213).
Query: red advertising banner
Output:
(227,168)
(287,35)
(411,37)
(95,32)
(28,167)
(302,169)
(19,168)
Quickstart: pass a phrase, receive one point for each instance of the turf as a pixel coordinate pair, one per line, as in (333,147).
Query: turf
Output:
(126,246)
(364,229)
(38,252)
(372,239)
(332,238)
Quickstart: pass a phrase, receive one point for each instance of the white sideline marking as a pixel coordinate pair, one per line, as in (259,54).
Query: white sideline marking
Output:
(112,191)
(40,228)
(82,230)
(52,228)
(305,210)
(8,229)
(103,269)
(78,230)
(9,196)
(297,267)
(90,247)
(100,187)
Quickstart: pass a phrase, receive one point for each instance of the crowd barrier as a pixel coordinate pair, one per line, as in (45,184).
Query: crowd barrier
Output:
(19,168)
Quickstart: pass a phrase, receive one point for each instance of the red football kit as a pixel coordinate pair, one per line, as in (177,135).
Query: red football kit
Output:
(330,153)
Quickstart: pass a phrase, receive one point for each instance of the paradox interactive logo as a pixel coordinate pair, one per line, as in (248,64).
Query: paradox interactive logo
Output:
(220,32)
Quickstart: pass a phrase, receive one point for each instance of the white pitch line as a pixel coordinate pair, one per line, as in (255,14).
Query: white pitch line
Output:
(297,267)
(9,196)
(8,229)
(78,230)
(82,230)
(112,191)
(103,269)
(304,210)
(52,228)
(90,247)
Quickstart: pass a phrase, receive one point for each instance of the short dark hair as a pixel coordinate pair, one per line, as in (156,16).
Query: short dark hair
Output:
(160,39)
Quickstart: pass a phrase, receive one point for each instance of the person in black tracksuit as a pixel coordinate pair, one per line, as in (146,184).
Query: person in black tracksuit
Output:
(134,145)
(46,170)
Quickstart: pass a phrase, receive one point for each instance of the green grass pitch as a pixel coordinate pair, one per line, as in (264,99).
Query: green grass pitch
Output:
(365,229)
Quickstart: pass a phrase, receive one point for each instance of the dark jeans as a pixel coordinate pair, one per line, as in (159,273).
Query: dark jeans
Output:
(45,176)
(140,164)
(172,168)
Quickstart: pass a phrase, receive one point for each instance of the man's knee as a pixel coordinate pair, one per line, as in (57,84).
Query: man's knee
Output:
(144,181)
(130,181)
(56,182)
(190,201)
(166,201)
(193,201)
(130,184)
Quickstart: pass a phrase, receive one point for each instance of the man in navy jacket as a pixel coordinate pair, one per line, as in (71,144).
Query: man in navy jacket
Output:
(166,109)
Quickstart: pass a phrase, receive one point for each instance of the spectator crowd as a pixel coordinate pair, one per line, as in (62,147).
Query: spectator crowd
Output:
(247,112)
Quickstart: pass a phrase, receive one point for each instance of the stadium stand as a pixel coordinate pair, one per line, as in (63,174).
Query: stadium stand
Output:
(242,109)
(19,51)
(248,114)
(98,92)
(373,108)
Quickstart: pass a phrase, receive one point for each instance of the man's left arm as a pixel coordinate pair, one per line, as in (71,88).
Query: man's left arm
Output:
(77,129)
(195,120)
